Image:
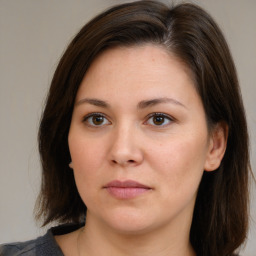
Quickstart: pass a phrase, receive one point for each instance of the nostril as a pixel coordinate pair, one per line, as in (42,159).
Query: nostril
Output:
(123,162)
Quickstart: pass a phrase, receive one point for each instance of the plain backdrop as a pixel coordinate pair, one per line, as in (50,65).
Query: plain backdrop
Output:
(33,35)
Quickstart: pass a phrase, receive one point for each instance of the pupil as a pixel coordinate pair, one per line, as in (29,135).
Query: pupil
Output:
(158,120)
(97,120)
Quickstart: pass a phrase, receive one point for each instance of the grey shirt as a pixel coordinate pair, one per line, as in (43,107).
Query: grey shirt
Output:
(42,246)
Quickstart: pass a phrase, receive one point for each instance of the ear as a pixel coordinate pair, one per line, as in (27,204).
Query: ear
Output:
(71,165)
(217,146)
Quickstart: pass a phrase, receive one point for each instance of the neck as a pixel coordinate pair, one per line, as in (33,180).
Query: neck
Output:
(97,239)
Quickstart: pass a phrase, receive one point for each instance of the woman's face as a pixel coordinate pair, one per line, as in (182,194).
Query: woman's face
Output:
(138,141)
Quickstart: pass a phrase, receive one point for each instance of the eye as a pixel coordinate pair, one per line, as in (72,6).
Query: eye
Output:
(159,119)
(96,119)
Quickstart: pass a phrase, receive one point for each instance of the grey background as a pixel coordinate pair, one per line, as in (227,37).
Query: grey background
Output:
(33,35)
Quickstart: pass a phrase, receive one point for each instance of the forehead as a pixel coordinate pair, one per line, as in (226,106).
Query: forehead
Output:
(137,64)
(125,76)
(153,53)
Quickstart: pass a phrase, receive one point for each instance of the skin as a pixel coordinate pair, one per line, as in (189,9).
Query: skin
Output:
(167,152)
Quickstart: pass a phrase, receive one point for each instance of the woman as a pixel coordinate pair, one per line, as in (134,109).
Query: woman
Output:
(144,139)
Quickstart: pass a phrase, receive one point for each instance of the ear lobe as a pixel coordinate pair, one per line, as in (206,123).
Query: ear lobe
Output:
(70,165)
(217,146)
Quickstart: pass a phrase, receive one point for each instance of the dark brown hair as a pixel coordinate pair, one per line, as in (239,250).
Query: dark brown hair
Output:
(220,218)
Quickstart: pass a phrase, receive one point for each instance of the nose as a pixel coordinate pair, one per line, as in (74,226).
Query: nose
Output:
(126,149)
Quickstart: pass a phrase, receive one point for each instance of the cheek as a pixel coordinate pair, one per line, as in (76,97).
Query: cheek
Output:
(86,155)
(86,158)
(87,178)
(180,162)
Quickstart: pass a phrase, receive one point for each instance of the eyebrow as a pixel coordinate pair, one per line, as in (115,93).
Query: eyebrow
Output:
(153,102)
(141,105)
(95,102)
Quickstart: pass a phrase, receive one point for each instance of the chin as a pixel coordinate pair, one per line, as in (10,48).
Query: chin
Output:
(130,223)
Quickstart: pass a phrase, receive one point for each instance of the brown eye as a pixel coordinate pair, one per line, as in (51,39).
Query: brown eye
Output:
(95,119)
(98,120)
(158,120)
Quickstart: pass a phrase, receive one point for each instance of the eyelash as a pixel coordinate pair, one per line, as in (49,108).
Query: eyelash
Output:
(91,115)
(162,115)
(152,115)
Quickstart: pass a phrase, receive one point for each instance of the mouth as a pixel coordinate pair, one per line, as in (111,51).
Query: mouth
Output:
(126,189)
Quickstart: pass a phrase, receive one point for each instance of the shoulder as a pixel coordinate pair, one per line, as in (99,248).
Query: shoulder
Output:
(42,246)
(22,248)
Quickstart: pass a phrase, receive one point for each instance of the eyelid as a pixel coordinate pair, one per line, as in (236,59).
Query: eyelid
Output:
(166,116)
(170,118)
(86,117)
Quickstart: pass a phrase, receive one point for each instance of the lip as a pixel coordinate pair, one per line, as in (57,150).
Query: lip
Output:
(127,189)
